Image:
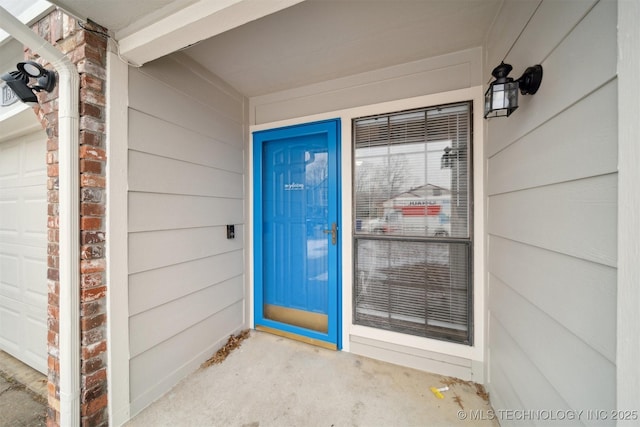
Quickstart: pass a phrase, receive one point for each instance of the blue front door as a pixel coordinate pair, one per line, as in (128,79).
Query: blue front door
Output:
(296,232)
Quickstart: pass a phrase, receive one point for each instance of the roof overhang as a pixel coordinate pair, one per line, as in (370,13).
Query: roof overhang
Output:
(26,12)
(156,32)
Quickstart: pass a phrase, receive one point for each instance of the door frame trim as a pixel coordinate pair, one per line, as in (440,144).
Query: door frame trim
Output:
(257,232)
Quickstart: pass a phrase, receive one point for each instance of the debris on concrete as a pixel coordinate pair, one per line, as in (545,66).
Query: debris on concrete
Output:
(438,391)
(458,400)
(233,342)
(466,387)
(480,391)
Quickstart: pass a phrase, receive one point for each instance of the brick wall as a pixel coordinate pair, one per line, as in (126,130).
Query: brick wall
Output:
(87,49)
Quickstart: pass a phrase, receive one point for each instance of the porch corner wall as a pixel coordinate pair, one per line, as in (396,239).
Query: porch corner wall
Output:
(552,209)
(86,47)
(185,184)
(453,77)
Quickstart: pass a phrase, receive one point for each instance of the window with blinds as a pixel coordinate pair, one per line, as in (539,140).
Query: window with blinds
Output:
(413,237)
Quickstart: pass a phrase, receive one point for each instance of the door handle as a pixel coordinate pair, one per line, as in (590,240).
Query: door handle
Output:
(334,233)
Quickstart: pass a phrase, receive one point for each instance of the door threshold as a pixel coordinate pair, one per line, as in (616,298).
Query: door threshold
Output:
(296,337)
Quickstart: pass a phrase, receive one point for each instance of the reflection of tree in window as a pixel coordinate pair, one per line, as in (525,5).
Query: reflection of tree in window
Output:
(316,170)
(377,182)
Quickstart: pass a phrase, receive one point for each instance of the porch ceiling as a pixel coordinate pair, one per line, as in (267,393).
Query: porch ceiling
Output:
(294,43)
(317,40)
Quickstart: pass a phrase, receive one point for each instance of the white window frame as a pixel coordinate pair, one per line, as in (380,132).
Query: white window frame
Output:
(421,237)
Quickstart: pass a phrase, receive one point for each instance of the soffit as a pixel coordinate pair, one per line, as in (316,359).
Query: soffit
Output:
(121,15)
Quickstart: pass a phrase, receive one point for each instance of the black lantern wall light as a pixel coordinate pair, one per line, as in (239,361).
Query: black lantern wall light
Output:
(501,99)
(19,81)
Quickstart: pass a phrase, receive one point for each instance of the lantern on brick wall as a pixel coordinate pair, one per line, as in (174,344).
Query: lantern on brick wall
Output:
(19,81)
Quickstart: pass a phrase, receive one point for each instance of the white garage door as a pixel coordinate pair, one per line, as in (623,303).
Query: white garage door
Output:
(23,249)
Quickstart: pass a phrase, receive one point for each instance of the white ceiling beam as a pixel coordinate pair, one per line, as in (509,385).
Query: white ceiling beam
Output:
(199,21)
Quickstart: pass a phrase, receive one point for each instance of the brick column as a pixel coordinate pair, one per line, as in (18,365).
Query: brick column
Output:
(87,49)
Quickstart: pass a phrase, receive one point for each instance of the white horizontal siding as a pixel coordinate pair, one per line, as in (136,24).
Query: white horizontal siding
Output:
(153,373)
(555,352)
(576,218)
(149,134)
(156,98)
(573,68)
(155,287)
(152,327)
(154,174)
(578,294)
(153,211)
(207,89)
(512,18)
(511,365)
(553,18)
(189,244)
(552,211)
(583,137)
(185,184)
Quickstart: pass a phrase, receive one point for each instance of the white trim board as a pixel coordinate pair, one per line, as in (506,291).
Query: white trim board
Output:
(117,240)
(628,336)
(199,21)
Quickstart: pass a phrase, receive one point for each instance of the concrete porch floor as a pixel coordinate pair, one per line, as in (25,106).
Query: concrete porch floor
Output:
(273,381)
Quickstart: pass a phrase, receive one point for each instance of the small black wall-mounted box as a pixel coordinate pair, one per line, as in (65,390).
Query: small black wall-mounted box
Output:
(231,232)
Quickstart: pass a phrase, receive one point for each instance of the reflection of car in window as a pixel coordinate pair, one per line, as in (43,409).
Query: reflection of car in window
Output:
(440,233)
(396,222)
(375,225)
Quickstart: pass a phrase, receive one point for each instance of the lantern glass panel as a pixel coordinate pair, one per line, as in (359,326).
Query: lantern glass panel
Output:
(501,99)
(511,95)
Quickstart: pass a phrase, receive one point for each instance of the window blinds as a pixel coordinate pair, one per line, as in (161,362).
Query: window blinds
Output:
(412,222)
